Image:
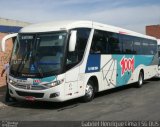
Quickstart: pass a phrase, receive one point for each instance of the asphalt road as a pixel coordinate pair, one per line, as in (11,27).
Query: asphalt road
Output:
(124,103)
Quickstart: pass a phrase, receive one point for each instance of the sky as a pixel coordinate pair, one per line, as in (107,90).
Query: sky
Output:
(130,14)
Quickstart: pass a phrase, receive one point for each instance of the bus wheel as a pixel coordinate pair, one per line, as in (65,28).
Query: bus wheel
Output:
(8,97)
(89,92)
(140,80)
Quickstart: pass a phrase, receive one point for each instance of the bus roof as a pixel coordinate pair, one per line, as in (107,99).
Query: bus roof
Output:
(65,25)
(56,26)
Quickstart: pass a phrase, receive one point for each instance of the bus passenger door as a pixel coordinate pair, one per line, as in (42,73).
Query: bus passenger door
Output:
(77,45)
(71,77)
(71,81)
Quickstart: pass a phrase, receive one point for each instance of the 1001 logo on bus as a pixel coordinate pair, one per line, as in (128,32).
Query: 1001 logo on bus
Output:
(127,64)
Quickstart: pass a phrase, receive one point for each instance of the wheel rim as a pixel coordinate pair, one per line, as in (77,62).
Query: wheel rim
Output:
(89,90)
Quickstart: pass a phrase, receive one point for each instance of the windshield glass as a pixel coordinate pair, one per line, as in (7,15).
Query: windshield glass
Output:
(38,54)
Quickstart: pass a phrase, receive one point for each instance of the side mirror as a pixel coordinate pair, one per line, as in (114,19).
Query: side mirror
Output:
(72,41)
(5,38)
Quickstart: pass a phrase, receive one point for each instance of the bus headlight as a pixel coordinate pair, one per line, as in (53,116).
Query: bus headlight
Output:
(55,83)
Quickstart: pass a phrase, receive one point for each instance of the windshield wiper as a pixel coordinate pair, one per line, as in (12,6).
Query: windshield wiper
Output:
(19,68)
(36,58)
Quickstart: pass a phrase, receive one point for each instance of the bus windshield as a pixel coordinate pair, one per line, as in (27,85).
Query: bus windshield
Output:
(37,55)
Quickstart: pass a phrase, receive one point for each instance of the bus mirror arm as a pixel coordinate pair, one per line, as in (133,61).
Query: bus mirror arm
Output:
(5,38)
(72,41)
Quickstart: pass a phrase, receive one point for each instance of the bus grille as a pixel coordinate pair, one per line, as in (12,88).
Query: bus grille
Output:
(24,86)
(24,94)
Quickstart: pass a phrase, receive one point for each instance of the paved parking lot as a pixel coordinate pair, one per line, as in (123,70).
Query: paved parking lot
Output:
(125,103)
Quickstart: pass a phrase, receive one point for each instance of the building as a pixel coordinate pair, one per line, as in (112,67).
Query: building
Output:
(153,30)
(8,26)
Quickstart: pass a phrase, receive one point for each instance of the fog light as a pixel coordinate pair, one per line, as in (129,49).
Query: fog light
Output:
(54,95)
(10,91)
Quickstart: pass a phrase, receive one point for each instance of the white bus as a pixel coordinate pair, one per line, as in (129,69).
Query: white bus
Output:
(158,73)
(59,61)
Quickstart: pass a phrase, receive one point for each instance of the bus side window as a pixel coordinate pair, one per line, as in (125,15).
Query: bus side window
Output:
(105,43)
(127,42)
(115,47)
(152,47)
(98,43)
(145,47)
(137,46)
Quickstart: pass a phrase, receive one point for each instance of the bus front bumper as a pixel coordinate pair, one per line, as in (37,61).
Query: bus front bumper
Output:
(54,94)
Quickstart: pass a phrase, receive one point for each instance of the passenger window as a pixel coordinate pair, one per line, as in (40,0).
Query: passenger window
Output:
(145,47)
(115,47)
(106,43)
(127,42)
(153,47)
(98,43)
(137,46)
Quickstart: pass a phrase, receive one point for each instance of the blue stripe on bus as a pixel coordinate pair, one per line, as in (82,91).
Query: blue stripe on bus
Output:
(93,63)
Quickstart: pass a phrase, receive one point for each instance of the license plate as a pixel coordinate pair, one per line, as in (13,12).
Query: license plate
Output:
(30,98)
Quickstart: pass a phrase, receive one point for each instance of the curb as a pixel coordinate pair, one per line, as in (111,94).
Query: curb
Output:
(2,105)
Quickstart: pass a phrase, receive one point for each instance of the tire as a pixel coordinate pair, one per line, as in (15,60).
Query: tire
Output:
(89,92)
(140,80)
(8,97)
